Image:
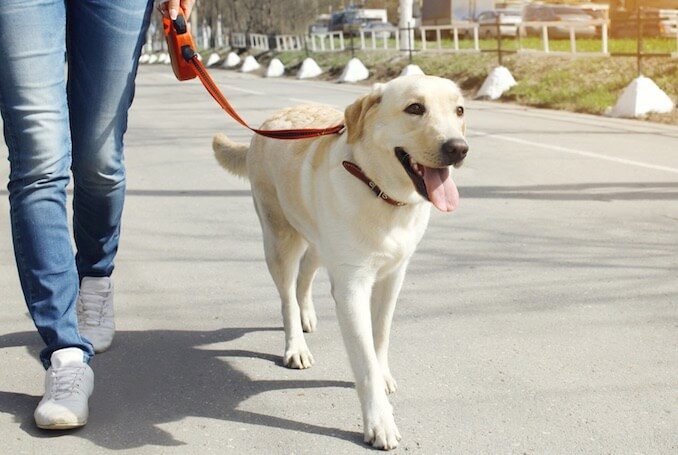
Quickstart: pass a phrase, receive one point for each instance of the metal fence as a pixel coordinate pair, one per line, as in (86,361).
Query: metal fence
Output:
(284,43)
(374,40)
(259,42)
(572,27)
(326,42)
(453,29)
(439,38)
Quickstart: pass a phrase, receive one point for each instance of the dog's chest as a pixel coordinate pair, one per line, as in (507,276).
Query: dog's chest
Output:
(395,244)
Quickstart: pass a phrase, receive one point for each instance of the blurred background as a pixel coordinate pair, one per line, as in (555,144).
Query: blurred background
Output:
(565,54)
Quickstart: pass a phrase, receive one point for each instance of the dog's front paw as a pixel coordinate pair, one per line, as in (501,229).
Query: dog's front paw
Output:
(309,321)
(390,383)
(298,356)
(381,431)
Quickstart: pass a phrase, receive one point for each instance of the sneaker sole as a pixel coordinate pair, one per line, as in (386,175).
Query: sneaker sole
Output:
(100,349)
(62,426)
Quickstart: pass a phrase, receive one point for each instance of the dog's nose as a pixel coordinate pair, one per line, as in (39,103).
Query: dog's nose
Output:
(454,150)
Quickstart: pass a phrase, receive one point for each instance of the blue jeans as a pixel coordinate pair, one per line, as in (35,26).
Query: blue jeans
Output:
(53,125)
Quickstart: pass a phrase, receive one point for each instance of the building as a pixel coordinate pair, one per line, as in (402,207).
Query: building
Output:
(437,12)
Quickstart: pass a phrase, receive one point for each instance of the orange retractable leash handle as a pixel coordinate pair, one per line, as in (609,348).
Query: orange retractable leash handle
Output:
(187,65)
(178,38)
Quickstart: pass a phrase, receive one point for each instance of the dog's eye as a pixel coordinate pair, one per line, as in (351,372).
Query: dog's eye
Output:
(416,109)
(460,111)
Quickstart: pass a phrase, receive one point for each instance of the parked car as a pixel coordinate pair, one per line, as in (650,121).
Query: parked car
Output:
(351,20)
(381,28)
(318,29)
(668,27)
(557,13)
(321,25)
(509,20)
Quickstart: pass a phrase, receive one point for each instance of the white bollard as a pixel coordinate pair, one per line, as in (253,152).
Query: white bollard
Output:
(275,68)
(641,97)
(497,82)
(354,71)
(232,60)
(144,58)
(411,70)
(250,64)
(309,69)
(164,58)
(213,59)
(153,59)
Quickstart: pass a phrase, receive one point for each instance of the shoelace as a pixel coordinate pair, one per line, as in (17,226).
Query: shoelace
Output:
(66,381)
(92,305)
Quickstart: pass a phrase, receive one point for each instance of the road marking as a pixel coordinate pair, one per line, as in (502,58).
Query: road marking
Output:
(243,90)
(558,148)
(501,137)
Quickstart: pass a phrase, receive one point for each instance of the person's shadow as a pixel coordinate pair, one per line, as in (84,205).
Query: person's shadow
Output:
(158,376)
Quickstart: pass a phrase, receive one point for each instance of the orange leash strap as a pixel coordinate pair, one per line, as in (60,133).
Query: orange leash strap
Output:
(187,65)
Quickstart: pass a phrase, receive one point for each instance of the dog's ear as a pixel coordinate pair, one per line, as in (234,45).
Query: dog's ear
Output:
(354,115)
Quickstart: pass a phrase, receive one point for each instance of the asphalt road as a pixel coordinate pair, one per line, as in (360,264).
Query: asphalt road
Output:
(542,317)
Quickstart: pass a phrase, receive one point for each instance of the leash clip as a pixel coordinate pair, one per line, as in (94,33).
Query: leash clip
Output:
(187,52)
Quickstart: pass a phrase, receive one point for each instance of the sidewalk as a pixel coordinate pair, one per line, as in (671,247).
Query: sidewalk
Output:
(540,318)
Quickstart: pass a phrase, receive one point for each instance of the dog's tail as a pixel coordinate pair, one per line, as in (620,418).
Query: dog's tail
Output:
(231,155)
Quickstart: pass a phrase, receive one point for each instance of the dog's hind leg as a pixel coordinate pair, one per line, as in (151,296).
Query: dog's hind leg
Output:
(307,269)
(384,297)
(283,247)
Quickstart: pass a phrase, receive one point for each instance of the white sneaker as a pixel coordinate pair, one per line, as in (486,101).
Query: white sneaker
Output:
(95,312)
(68,385)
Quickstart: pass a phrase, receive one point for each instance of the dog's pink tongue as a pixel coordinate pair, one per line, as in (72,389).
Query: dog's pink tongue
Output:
(442,192)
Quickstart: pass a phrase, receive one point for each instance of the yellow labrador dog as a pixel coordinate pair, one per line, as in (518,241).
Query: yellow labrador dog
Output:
(358,204)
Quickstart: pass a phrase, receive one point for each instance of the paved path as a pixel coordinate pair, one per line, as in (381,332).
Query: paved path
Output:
(540,318)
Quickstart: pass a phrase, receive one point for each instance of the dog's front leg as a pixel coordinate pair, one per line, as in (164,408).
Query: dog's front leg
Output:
(384,297)
(351,288)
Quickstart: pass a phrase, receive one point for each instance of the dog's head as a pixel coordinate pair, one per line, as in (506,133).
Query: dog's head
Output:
(406,134)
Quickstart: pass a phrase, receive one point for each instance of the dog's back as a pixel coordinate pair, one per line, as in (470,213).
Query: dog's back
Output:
(235,156)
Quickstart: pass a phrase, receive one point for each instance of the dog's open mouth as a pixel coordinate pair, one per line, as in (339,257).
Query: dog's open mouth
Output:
(434,184)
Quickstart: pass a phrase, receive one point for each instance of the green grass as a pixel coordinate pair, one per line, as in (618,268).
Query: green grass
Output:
(617,45)
(664,45)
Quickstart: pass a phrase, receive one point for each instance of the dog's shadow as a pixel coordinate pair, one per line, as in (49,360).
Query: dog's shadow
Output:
(159,376)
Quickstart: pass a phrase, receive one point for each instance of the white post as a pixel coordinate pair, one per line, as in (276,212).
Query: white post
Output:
(545,37)
(573,41)
(423,39)
(476,42)
(220,33)
(439,40)
(603,36)
(374,40)
(455,32)
(195,14)
(405,21)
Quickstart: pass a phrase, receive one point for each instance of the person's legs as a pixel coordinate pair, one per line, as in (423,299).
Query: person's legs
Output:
(104,43)
(36,129)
